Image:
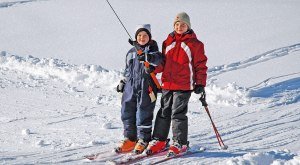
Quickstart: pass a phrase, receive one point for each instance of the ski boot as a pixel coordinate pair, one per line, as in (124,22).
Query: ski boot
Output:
(140,146)
(156,146)
(177,148)
(125,145)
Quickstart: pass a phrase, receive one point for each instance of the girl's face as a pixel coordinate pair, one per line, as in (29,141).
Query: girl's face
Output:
(142,38)
(180,27)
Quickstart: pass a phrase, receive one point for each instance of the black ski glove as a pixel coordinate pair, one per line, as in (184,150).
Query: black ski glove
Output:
(120,87)
(133,43)
(199,89)
(150,69)
(142,57)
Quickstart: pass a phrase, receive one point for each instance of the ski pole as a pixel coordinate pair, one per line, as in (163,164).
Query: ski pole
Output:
(139,52)
(204,104)
(119,19)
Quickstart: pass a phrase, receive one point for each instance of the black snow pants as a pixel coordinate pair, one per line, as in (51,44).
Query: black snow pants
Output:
(174,107)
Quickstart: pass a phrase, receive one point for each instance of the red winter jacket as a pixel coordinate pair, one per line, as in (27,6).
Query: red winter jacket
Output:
(185,62)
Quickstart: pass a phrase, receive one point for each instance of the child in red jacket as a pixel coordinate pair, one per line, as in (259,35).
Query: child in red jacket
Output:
(184,70)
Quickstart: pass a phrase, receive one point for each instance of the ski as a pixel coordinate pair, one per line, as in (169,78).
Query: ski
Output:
(134,158)
(189,152)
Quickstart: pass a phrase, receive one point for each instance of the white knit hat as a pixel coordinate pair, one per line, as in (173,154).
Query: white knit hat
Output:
(143,27)
(183,17)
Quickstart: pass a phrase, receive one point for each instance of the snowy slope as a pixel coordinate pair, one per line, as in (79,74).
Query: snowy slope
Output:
(58,75)
(56,113)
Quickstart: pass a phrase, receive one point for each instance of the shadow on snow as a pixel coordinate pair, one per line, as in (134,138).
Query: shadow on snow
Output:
(286,92)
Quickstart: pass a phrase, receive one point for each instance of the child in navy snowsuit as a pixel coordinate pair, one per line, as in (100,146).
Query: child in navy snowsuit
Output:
(139,91)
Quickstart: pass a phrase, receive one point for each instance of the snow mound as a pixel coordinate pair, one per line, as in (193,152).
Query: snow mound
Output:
(277,157)
(229,95)
(88,75)
(94,76)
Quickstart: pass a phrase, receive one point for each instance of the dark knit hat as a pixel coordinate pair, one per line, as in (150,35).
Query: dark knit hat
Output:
(143,27)
(183,17)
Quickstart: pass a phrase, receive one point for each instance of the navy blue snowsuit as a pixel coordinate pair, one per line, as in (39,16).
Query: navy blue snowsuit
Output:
(137,108)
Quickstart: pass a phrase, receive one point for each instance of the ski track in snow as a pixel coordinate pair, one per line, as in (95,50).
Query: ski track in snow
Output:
(269,55)
(286,92)
(10,4)
(87,89)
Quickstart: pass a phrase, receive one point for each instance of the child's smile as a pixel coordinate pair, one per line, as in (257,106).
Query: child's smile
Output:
(143,38)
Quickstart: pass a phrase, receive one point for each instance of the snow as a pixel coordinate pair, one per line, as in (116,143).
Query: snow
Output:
(263,158)
(25,132)
(60,62)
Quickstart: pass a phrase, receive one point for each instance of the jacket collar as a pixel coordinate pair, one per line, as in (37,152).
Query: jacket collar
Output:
(182,37)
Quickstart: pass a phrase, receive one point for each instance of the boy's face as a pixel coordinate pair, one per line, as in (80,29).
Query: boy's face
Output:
(180,27)
(142,38)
